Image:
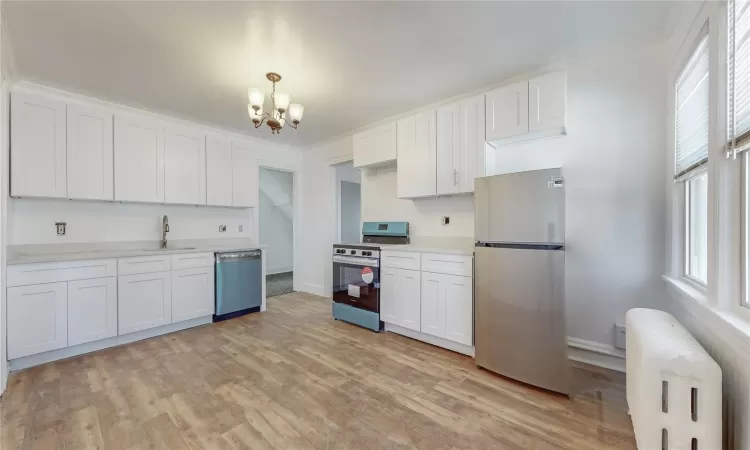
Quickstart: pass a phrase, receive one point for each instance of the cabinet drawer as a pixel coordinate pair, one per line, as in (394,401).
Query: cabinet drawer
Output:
(400,260)
(143,264)
(447,264)
(26,274)
(192,260)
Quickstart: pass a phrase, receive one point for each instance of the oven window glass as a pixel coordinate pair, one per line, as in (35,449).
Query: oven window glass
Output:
(356,285)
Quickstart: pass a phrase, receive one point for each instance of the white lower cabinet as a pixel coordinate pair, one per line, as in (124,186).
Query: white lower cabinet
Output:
(447,307)
(399,297)
(92,310)
(144,301)
(459,308)
(192,293)
(37,319)
(434,304)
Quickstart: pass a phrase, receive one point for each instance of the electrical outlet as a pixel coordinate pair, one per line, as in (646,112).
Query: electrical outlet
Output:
(240,228)
(222,228)
(620,337)
(445,220)
(61,228)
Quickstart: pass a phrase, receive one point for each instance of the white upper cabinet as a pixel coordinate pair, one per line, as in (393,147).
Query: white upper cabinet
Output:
(376,147)
(547,103)
(37,146)
(527,110)
(364,149)
(244,176)
(417,156)
(89,153)
(184,166)
(507,111)
(385,144)
(448,149)
(218,171)
(471,144)
(139,159)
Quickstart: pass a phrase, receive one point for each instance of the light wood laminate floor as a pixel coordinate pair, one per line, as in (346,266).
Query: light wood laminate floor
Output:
(292,377)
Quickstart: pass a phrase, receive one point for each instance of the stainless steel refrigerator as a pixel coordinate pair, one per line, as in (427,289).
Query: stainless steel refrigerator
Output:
(519,281)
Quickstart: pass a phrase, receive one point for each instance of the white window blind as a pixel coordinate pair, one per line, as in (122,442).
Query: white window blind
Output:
(691,112)
(738,70)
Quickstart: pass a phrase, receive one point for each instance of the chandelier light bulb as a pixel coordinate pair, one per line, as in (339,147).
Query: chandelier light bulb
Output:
(295,112)
(281,101)
(256,98)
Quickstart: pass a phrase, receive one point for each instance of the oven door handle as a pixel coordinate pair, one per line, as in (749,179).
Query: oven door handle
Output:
(369,262)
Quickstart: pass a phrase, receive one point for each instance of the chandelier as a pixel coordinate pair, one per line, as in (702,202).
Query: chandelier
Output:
(280,107)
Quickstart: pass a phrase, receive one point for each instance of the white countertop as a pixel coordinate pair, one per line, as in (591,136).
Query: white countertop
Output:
(40,253)
(451,246)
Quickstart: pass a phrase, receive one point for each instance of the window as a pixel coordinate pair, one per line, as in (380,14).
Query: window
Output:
(691,156)
(738,114)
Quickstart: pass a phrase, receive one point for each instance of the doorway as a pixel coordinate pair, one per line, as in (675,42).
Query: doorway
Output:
(276,229)
(349,201)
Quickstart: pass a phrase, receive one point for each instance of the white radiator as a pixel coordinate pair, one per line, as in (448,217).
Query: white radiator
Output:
(673,385)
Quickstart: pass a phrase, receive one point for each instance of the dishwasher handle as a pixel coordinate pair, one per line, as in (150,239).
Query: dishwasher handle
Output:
(238,256)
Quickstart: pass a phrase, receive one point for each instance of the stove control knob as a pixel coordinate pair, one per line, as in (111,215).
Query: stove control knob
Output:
(367,253)
(354,252)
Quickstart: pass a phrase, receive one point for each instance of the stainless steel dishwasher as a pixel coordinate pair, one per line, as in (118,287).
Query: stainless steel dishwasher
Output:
(239,284)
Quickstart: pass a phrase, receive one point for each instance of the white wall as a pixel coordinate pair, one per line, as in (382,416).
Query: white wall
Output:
(7,74)
(380,203)
(276,219)
(613,163)
(319,210)
(32,221)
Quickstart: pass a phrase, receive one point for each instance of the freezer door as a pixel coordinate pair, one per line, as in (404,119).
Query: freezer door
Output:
(520,315)
(520,207)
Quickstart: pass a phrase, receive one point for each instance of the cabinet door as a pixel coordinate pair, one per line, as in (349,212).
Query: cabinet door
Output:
(433,304)
(192,293)
(364,148)
(144,301)
(408,299)
(139,159)
(459,309)
(385,143)
(92,310)
(507,111)
(218,171)
(547,102)
(184,166)
(244,176)
(417,156)
(89,153)
(37,146)
(388,289)
(447,149)
(37,319)
(471,144)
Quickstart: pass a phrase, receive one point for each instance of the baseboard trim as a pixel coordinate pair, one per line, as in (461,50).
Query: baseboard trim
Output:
(433,340)
(68,352)
(596,354)
(314,289)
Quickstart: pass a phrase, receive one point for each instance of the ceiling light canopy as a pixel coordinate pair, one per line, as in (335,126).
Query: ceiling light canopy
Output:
(280,107)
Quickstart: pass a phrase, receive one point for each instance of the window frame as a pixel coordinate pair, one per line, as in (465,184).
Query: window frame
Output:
(686,260)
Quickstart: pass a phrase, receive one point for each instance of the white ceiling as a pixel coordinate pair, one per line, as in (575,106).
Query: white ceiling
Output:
(349,63)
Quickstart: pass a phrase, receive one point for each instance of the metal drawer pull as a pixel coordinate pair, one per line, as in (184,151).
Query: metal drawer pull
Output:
(37,293)
(144,281)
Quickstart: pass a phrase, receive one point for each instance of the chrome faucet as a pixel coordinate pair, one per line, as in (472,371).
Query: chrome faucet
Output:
(164,231)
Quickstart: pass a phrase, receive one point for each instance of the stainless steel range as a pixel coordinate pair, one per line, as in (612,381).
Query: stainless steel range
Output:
(356,273)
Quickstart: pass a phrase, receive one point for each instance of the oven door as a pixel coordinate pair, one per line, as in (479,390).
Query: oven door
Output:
(356,282)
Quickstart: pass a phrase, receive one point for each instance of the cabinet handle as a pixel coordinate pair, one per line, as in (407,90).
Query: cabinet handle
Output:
(455,177)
